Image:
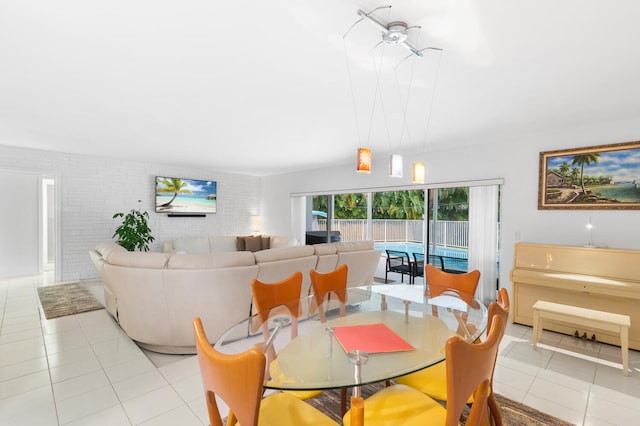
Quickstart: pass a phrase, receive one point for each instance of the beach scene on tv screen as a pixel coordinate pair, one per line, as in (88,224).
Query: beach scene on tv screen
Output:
(176,195)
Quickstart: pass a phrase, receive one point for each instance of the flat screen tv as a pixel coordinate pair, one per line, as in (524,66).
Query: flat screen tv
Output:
(185,196)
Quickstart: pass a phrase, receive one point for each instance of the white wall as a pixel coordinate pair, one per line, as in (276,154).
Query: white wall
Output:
(516,160)
(19,224)
(92,189)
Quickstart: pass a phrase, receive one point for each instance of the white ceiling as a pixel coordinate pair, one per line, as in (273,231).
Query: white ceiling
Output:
(266,87)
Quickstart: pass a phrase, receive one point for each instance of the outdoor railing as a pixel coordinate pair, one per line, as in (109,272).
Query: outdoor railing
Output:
(449,233)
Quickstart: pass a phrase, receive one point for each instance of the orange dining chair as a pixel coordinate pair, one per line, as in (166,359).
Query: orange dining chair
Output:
(331,282)
(238,380)
(433,380)
(322,286)
(462,285)
(439,281)
(469,371)
(270,299)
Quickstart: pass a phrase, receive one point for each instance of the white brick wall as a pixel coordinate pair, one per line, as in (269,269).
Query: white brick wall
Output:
(92,189)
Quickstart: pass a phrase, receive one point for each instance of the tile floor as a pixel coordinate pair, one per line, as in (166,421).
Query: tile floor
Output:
(82,370)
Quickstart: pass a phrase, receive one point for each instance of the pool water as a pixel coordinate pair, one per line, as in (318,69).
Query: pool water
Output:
(419,248)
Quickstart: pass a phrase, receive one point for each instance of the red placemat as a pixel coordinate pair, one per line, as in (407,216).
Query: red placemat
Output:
(370,338)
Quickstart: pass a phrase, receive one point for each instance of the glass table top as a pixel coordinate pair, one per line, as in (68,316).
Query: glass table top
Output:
(315,358)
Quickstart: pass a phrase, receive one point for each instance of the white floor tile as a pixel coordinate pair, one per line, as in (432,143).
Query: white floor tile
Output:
(18,369)
(78,385)
(567,414)
(127,369)
(152,404)
(559,394)
(15,352)
(189,388)
(95,366)
(25,383)
(182,416)
(112,416)
(24,404)
(186,367)
(75,369)
(87,403)
(603,410)
(141,384)
(573,365)
(72,356)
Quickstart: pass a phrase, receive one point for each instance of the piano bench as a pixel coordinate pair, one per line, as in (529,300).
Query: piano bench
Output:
(587,318)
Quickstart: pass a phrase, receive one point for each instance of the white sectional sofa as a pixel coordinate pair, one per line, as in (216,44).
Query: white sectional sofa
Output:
(155,296)
(224,243)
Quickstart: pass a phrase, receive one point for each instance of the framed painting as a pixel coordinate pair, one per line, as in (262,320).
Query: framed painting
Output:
(598,177)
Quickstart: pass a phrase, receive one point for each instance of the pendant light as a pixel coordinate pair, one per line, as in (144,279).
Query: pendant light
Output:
(395,166)
(364,160)
(417,172)
(418,169)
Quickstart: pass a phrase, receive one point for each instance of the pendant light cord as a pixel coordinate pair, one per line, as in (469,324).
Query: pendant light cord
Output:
(405,106)
(378,70)
(433,95)
(353,95)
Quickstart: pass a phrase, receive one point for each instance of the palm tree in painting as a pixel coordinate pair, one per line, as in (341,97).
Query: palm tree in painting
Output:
(575,174)
(564,169)
(581,160)
(172,185)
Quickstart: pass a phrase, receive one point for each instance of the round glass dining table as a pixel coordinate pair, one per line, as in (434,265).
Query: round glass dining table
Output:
(388,330)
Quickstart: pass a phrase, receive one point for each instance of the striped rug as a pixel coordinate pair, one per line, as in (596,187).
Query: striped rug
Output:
(66,299)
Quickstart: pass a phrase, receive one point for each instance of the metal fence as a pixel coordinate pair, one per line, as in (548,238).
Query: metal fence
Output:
(449,233)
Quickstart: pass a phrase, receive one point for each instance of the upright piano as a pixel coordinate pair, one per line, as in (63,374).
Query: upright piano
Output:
(604,279)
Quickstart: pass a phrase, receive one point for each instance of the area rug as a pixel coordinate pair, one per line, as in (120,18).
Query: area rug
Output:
(513,413)
(66,299)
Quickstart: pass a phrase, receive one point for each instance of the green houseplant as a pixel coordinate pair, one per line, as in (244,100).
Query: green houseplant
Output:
(134,232)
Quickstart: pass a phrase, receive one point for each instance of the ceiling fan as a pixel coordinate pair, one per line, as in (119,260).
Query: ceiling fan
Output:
(392,33)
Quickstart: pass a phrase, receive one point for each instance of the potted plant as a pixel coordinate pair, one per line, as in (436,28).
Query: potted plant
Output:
(134,232)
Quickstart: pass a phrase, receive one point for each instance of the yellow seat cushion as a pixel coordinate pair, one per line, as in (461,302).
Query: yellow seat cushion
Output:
(431,381)
(281,409)
(400,405)
(278,376)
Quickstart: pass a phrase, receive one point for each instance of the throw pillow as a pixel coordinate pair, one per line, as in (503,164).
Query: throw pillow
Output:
(240,246)
(253,243)
(266,242)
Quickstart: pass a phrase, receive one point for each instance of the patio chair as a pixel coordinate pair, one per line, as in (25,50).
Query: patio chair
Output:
(418,263)
(400,263)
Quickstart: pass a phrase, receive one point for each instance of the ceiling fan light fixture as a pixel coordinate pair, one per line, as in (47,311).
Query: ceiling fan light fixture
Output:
(396,33)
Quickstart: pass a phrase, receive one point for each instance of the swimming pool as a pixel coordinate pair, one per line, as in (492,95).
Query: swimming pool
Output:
(418,248)
(454,258)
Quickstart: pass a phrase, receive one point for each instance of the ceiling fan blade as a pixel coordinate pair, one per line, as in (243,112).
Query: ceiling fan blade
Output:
(351,27)
(373,20)
(411,49)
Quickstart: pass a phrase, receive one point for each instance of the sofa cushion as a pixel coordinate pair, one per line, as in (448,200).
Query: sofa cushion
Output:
(346,246)
(192,245)
(211,260)
(137,259)
(325,249)
(277,242)
(107,248)
(222,243)
(283,253)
